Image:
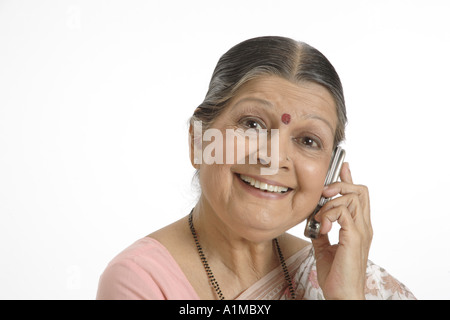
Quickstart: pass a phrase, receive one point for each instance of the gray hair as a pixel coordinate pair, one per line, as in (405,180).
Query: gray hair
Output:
(279,56)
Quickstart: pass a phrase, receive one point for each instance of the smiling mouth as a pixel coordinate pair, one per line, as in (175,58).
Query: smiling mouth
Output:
(262,185)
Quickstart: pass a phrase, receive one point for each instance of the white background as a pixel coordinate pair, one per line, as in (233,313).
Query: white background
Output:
(94,102)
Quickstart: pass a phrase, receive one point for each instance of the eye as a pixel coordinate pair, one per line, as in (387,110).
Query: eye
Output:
(309,142)
(252,123)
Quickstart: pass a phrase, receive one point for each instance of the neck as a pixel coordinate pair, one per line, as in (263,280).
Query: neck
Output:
(233,258)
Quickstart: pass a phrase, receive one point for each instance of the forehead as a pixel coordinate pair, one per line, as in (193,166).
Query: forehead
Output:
(299,99)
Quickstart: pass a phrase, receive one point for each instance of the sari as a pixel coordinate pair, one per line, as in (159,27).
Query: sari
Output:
(147,271)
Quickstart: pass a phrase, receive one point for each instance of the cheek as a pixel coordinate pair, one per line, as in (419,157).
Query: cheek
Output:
(215,181)
(311,176)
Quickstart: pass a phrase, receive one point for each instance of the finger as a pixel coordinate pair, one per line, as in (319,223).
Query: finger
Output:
(355,197)
(343,188)
(352,204)
(351,201)
(346,175)
(341,214)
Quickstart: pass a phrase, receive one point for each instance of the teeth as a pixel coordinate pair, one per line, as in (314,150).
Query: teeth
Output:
(262,185)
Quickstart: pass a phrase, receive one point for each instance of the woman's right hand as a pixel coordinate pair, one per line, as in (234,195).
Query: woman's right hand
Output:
(341,268)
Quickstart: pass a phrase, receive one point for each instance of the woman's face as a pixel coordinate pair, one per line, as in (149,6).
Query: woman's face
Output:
(305,148)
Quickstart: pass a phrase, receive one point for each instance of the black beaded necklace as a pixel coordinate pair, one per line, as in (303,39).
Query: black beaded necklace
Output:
(210,274)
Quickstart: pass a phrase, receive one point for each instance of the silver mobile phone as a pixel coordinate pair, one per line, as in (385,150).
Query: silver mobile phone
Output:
(312,229)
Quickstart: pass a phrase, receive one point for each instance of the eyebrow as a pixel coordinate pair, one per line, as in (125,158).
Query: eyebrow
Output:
(314,116)
(269,104)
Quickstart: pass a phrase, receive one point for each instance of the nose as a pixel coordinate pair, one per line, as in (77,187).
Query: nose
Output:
(279,151)
(284,148)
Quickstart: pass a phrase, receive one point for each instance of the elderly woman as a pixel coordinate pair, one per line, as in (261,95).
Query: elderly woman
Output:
(233,244)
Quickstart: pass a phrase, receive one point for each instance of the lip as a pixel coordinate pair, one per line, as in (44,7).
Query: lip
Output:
(260,193)
(264,180)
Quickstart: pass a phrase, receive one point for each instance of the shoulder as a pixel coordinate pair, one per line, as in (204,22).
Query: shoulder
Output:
(292,244)
(177,239)
(144,270)
(144,252)
(130,275)
(381,285)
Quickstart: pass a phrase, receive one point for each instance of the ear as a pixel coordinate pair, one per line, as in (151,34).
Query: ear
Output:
(194,162)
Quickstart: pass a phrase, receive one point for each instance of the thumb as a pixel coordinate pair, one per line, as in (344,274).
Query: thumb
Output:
(321,243)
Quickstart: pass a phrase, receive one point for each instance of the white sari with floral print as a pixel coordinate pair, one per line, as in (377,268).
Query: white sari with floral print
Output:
(302,268)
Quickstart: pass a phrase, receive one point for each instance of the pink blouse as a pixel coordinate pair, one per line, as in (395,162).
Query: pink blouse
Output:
(146,270)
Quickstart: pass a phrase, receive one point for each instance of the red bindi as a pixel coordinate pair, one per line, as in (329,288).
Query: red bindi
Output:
(286,118)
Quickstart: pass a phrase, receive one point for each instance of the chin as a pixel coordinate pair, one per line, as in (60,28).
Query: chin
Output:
(259,226)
